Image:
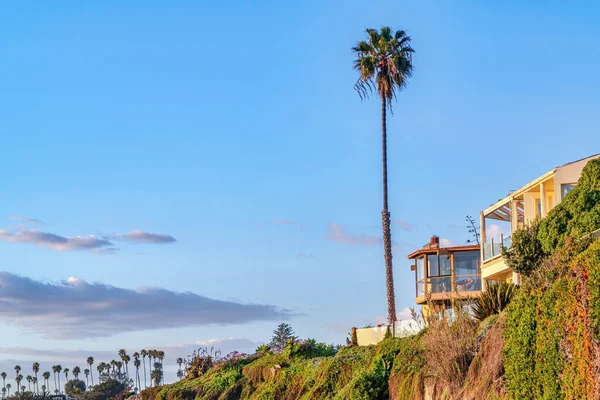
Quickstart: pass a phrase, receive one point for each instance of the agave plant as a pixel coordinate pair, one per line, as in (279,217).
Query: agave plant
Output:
(493,300)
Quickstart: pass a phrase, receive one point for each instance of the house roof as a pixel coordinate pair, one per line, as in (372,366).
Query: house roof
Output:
(436,250)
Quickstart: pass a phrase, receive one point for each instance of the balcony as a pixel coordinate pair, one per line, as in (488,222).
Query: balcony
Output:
(493,249)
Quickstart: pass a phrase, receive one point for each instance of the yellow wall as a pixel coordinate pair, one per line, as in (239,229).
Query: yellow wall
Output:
(369,336)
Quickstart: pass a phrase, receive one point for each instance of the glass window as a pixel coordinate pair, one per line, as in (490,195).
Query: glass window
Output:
(420,284)
(467,270)
(433,265)
(438,266)
(538,207)
(566,189)
(445,265)
(420,268)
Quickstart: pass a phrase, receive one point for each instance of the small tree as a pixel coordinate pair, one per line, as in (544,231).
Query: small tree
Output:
(526,253)
(281,336)
(75,386)
(473,230)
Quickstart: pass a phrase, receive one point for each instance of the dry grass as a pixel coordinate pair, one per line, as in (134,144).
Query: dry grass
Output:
(486,373)
(450,347)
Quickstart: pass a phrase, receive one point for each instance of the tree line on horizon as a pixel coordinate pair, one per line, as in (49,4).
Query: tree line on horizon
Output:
(115,369)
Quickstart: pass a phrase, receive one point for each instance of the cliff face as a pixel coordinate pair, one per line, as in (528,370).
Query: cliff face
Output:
(544,345)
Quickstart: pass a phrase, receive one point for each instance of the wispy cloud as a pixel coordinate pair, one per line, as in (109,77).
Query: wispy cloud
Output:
(26,220)
(74,308)
(447,243)
(279,221)
(305,255)
(138,236)
(55,242)
(338,233)
(408,227)
(493,231)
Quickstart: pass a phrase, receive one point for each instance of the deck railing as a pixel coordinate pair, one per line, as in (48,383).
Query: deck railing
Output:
(494,248)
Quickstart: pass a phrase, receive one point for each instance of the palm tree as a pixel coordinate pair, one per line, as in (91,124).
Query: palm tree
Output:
(3,392)
(161,356)
(8,387)
(58,369)
(100,369)
(136,364)
(86,372)
(76,372)
(90,361)
(46,376)
(36,369)
(44,390)
(29,379)
(126,360)
(144,353)
(3,375)
(179,370)
(384,63)
(35,384)
(66,372)
(17,370)
(150,357)
(18,379)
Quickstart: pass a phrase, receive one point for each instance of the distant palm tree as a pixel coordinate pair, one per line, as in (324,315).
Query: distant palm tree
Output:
(180,371)
(23,388)
(86,372)
(36,369)
(19,379)
(161,356)
(3,392)
(100,369)
(144,353)
(8,387)
(58,370)
(90,362)
(3,375)
(17,371)
(29,379)
(136,364)
(34,380)
(54,373)
(384,64)
(44,390)
(46,376)
(150,357)
(76,372)
(126,360)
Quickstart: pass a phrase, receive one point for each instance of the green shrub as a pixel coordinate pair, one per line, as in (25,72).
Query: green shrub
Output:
(493,300)
(578,214)
(519,345)
(526,253)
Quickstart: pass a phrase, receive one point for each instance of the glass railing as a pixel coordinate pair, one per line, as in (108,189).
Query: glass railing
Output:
(420,288)
(493,248)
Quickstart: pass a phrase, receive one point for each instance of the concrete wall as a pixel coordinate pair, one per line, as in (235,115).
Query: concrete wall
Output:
(372,336)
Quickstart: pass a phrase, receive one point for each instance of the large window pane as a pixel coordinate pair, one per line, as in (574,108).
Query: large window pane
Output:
(420,268)
(466,263)
(467,271)
(440,285)
(433,265)
(445,265)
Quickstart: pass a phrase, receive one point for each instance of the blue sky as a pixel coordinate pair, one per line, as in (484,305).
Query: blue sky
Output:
(234,129)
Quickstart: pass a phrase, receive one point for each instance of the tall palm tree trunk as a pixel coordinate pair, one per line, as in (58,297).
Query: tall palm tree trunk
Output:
(385,221)
(144,362)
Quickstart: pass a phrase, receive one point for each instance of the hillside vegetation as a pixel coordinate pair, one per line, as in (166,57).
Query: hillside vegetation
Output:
(544,345)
